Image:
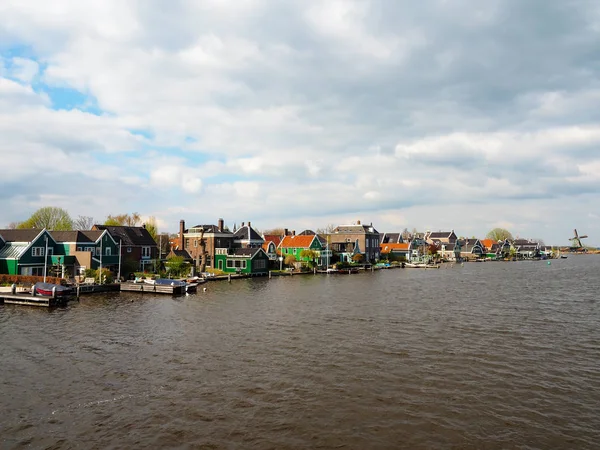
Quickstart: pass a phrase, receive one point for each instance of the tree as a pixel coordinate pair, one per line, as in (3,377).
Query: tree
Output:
(177,266)
(309,255)
(499,234)
(152,227)
(49,217)
(83,223)
(290,260)
(274,231)
(13,225)
(358,258)
(130,220)
(432,250)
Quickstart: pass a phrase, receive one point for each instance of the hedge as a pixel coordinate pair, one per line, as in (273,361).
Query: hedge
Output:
(27,279)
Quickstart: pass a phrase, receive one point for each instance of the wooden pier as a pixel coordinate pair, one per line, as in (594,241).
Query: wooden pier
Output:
(30,300)
(152,288)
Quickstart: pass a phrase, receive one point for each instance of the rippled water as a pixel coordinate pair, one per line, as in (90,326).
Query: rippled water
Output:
(489,355)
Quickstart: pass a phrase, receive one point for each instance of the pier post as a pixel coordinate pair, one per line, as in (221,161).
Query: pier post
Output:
(78,291)
(54,292)
(13,289)
(229,277)
(270,275)
(314,270)
(33,290)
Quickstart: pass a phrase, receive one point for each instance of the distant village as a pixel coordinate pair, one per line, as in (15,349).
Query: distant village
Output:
(213,248)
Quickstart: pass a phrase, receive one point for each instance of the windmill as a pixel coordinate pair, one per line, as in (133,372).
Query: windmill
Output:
(576,241)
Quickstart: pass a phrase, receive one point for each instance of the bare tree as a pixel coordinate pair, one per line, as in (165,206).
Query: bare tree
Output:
(83,223)
(274,231)
(13,225)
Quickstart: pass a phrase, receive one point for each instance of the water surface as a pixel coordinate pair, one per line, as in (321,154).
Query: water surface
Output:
(485,355)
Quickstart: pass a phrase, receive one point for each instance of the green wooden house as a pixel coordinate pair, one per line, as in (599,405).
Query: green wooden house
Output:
(27,252)
(86,250)
(252,261)
(296,244)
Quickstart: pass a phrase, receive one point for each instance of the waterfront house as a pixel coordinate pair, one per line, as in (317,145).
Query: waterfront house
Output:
(471,249)
(26,251)
(349,240)
(491,247)
(449,251)
(446,237)
(83,250)
(526,249)
(247,237)
(138,248)
(214,237)
(251,261)
(395,251)
(296,244)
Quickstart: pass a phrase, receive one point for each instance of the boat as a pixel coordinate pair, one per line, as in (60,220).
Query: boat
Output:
(421,266)
(563,256)
(46,289)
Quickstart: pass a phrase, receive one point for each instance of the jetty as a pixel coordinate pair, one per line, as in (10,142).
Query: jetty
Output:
(130,286)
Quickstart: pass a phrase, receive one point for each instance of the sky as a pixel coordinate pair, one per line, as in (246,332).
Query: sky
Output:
(433,115)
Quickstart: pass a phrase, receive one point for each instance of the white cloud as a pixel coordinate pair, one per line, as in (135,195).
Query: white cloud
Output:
(411,114)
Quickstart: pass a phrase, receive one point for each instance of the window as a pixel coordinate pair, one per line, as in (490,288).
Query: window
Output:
(260,264)
(145,252)
(195,242)
(229,264)
(107,251)
(128,249)
(208,261)
(187,243)
(37,251)
(79,249)
(50,251)
(98,251)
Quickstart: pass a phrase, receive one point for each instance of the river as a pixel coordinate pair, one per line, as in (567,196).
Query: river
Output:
(485,355)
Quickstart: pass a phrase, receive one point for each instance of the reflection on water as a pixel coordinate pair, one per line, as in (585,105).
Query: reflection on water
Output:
(491,355)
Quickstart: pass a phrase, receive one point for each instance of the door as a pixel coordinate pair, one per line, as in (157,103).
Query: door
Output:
(221,264)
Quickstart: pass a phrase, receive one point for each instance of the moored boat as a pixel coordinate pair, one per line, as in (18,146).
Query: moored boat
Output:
(46,289)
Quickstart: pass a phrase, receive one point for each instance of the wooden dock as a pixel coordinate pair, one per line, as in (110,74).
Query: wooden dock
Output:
(30,300)
(152,288)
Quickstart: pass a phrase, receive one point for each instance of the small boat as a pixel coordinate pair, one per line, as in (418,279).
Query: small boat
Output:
(46,289)
(168,282)
(563,256)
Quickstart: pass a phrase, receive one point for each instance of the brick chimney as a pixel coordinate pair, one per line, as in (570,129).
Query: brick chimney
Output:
(358,222)
(293,232)
(285,232)
(221,223)
(249,224)
(181,231)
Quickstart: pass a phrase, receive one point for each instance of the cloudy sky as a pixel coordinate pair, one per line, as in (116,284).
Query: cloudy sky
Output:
(434,114)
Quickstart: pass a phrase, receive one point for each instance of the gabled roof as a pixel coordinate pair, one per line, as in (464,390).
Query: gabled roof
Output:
(76,236)
(274,238)
(130,236)
(13,250)
(265,245)
(20,235)
(297,241)
(390,247)
(391,238)
(208,229)
(488,243)
(355,229)
(182,253)
(440,234)
(248,252)
(247,233)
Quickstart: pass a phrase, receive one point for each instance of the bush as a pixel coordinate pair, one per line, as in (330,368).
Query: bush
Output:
(27,280)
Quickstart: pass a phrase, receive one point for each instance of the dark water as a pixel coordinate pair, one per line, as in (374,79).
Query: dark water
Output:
(489,355)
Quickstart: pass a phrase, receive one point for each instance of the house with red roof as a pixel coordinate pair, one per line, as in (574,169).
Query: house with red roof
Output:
(295,244)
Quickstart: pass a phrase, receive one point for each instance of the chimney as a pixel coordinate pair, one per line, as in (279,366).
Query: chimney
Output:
(249,224)
(358,222)
(221,225)
(181,231)
(243,224)
(293,232)
(285,231)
